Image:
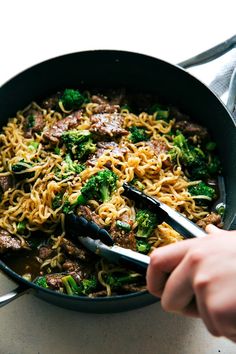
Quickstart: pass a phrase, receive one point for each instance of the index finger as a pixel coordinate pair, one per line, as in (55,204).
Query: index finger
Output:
(163,261)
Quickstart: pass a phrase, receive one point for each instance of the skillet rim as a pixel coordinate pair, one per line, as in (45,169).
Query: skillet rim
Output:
(11,273)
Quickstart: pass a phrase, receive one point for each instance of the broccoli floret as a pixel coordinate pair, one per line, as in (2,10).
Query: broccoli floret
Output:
(99,187)
(188,154)
(67,207)
(73,166)
(143,246)
(116,281)
(72,99)
(21,226)
(199,171)
(193,158)
(161,111)
(210,146)
(70,167)
(70,285)
(147,222)
(198,165)
(202,189)
(42,281)
(86,148)
(138,134)
(30,121)
(135,182)
(125,107)
(57,150)
(21,166)
(213,165)
(33,145)
(72,138)
(88,286)
(78,142)
(57,201)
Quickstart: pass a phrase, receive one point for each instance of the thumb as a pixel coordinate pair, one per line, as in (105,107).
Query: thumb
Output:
(212,229)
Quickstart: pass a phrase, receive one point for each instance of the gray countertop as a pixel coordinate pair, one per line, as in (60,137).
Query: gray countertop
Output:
(31,326)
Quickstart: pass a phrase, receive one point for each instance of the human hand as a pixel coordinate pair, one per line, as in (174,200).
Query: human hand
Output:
(197,277)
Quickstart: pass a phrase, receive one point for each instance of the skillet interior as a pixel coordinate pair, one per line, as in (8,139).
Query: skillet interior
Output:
(136,72)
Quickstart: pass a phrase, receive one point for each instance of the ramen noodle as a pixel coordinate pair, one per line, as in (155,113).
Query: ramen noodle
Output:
(45,170)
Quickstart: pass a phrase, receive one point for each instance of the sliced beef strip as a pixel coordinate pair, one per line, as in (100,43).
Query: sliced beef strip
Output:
(122,238)
(55,132)
(117,96)
(113,148)
(191,129)
(103,105)
(158,146)
(54,280)
(133,288)
(51,102)
(8,243)
(141,102)
(100,293)
(70,266)
(107,125)
(177,115)
(112,96)
(73,251)
(89,214)
(99,99)
(211,218)
(106,108)
(45,252)
(6,182)
(33,123)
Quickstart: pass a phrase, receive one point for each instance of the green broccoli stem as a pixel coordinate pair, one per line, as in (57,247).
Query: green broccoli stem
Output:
(117,281)
(70,285)
(123,225)
(127,279)
(105,193)
(21,226)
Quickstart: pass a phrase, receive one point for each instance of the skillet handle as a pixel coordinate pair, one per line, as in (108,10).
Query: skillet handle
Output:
(212,54)
(12,295)
(231,101)
(207,56)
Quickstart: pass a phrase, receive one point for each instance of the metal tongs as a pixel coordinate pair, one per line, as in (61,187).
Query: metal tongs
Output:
(99,241)
(165,213)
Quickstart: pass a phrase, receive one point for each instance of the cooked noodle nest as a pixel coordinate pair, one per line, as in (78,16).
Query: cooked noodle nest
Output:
(34,203)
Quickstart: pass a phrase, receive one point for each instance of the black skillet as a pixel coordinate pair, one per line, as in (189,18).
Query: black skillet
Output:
(135,72)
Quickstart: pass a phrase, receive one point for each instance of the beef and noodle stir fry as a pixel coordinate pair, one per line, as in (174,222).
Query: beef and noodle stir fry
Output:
(71,153)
